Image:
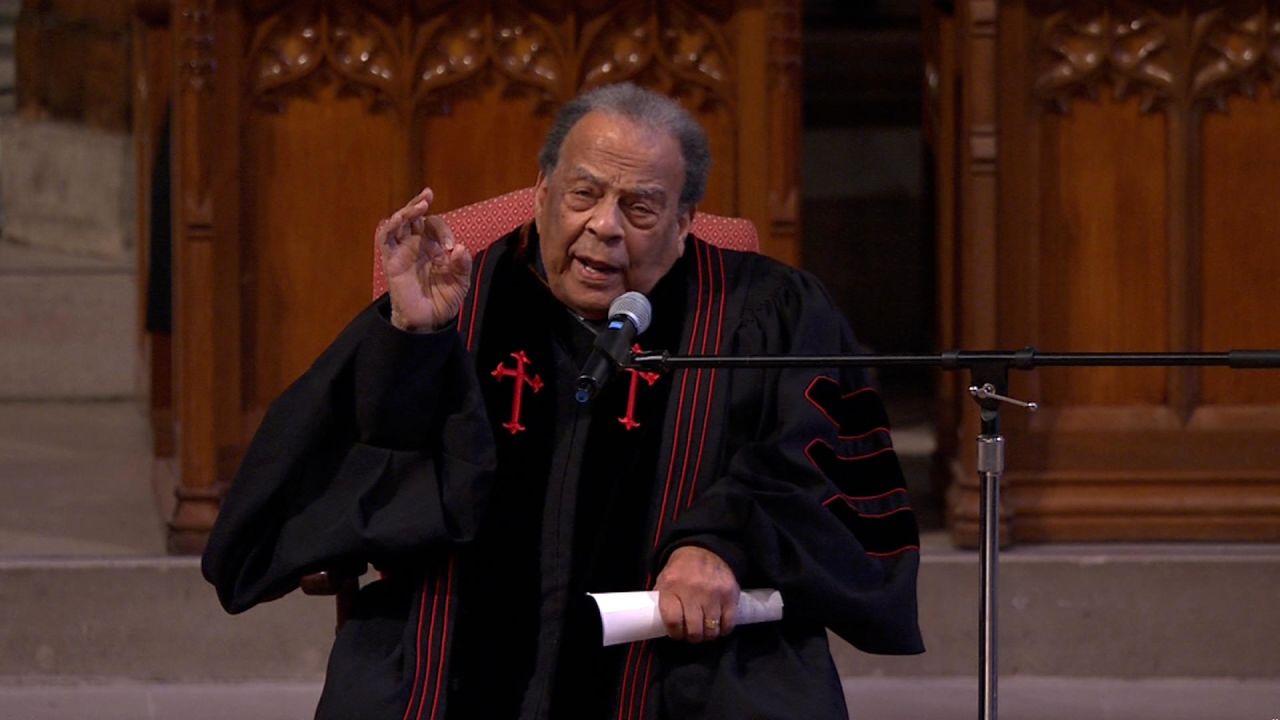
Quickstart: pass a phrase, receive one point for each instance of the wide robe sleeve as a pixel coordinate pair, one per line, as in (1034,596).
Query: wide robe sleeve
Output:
(811,499)
(379,452)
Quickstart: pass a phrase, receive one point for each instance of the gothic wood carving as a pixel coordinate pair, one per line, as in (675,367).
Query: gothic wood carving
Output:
(416,58)
(1234,53)
(196,32)
(314,41)
(785,87)
(1163,52)
(1124,43)
(195,38)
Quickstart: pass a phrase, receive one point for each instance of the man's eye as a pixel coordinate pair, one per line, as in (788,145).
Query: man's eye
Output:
(641,209)
(580,198)
(642,216)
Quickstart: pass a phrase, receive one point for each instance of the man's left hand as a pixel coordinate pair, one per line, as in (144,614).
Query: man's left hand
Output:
(697,595)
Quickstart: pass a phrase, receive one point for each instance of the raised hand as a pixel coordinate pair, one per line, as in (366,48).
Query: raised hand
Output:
(428,272)
(697,595)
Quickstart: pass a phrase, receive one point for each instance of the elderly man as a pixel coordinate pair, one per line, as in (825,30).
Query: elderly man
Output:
(439,439)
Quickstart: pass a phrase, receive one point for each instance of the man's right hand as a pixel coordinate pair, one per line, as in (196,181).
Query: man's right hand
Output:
(428,272)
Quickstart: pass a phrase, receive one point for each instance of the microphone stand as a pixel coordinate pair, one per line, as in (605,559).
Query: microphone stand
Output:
(989,382)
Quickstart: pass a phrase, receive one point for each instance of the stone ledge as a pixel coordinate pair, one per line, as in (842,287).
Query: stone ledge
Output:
(1194,612)
(1042,698)
(69,335)
(1124,611)
(17,258)
(1065,698)
(67,187)
(150,619)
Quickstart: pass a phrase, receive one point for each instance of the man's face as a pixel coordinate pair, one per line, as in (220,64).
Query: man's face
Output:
(608,214)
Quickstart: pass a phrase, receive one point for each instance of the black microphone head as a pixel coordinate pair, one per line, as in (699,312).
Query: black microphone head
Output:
(635,306)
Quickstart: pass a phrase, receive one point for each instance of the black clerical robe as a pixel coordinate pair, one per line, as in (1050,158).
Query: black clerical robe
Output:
(459,464)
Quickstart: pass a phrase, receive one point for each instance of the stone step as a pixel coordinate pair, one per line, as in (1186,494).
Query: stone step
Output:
(1125,613)
(139,701)
(70,325)
(879,698)
(149,620)
(1105,610)
(75,479)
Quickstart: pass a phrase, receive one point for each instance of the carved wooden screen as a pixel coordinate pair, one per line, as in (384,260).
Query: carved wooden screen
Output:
(300,123)
(1116,166)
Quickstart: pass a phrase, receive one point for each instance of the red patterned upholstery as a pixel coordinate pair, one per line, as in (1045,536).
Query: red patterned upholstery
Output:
(481,223)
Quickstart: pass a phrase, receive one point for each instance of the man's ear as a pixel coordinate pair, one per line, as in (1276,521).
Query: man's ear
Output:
(540,191)
(684,223)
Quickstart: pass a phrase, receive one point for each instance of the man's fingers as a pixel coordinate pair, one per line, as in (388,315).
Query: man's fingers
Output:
(672,612)
(437,238)
(712,623)
(694,629)
(460,261)
(408,220)
(435,226)
(435,253)
(692,622)
(706,588)
(729,617)
(401,219)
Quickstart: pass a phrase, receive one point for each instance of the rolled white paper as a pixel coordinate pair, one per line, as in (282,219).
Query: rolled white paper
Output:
(631,616)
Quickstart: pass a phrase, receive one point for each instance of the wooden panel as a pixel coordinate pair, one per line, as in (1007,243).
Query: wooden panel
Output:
(1103,270)
(300,124)
(476,151)
(1241,264)
(722,197)
(485,146)
(317,180)
(1135,152)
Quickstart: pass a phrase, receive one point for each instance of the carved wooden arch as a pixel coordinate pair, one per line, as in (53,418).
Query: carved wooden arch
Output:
(409,56)
(1163,52)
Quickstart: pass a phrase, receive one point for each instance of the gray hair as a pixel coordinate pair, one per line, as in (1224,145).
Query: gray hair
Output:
(643,107)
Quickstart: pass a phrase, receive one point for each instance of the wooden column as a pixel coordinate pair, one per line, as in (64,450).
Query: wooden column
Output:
(972,265)
(1135,142)
(940,129)
(784,87)
(206,267)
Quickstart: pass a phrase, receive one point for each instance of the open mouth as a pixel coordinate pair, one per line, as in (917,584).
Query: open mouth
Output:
(594,269)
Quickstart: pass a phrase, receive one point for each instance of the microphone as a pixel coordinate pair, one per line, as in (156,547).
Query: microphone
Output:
(629,315)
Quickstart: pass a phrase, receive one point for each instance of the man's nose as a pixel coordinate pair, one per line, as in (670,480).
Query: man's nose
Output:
(606,220)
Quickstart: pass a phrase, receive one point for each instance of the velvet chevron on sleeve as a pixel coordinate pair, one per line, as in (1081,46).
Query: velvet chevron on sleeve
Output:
(811,499)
